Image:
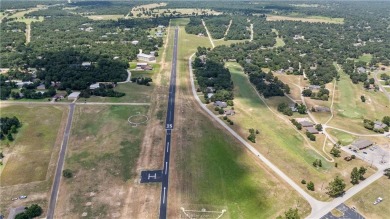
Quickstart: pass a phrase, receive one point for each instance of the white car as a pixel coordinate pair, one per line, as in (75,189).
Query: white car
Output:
(22,197)
(378,200)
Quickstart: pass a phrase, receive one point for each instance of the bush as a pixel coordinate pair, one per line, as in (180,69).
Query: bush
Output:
(225,118)
(310,186)
(33,211)
(303,181)
(67,173)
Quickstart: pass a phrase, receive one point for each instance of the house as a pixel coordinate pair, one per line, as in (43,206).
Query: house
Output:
(229,112)
(290,70)
(74,96)
(298,37)
(4,70)
(220,104)
(312,130)
(144,66)
(41,87)
(293,107)
(361,144)
(58,97)
(94,86)
(203,59)
(146,57)
(306,123)
(210,90)
(209,95)
(115,57)
(134,42)
(379,125)
(126,29)
(314,87)
(86,64)
(20,84)
(361,70)
(159,34)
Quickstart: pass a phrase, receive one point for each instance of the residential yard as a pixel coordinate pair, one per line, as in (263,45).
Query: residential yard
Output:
(310,19)
(279,141)
(365,58)
(29,155)
(227,42)
(213,170)
(279,40)
(363,201)
(102,153)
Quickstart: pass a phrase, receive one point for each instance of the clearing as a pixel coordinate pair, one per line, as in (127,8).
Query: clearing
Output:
(102,153)
(310,19)
(279,40)
(28,157)
(114,17)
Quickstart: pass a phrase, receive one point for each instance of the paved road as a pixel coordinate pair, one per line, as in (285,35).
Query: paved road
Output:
(60,165)
(380,85)
(169,126)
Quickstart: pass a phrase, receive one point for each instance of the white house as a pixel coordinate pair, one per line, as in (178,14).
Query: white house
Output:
(94,86)
(146,57)
(74,96)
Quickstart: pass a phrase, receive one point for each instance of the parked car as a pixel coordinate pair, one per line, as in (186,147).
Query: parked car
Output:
(14,199)
(22,197)
(378,200)
(364,152)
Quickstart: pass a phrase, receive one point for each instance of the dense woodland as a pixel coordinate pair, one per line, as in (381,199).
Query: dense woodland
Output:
(217,25)
(212,76)
(195,26)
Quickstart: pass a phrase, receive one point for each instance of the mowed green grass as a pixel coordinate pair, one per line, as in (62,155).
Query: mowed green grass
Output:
(350,110)
(279,41)
(31,151)
(220,172)
(363,201)
(343,137)
(365,58)
(278,140)
(102,154)
(216,172)
(135,93)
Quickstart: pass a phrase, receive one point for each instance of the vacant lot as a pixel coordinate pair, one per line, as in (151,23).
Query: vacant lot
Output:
(310,19)
(363,201)
(279,141)
(135,93)
(102,153)
(212,170)
(28,157)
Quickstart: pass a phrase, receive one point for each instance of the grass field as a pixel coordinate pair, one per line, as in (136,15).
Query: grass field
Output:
(135,93)
(29,155)
(365,58)
(228,42)
(310,19)
(278,140)
(215,172)
(279,41)
(363,201)
(343,137)
(350,110)
(102,154)
(106,17)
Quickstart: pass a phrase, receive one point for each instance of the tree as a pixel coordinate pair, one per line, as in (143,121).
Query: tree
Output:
(319,127)
(310,186)
(31,212)
(362,171)
(67,173)
(291,214)
(387,172)
(355,176)
(307,93)
(363,98)
(252,135)
(303,181)
(9,137)
(336,187)
(335,152)
(386,120)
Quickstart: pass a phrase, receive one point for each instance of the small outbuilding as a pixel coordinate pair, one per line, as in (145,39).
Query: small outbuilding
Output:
(74,96)
(305,123)
(312,130)
(229,112)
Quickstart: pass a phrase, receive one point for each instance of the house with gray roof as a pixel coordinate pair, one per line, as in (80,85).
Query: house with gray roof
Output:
(220,104)
(361,144)
(305,123)
(312,130)
(379,125)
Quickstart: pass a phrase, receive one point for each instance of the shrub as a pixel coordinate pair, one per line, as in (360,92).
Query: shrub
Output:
(303,181)
(67,173)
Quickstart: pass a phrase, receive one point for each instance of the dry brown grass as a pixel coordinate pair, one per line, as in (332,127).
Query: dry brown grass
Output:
(310,19)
